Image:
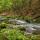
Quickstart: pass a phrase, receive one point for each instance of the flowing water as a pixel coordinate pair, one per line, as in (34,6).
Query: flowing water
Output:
(30,27)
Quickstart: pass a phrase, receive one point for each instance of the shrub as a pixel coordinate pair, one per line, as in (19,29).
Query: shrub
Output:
(16,34)
(5,4)
(13,34)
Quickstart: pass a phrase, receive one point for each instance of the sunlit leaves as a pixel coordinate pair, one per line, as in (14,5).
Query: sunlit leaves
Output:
(13,34)
(5,4)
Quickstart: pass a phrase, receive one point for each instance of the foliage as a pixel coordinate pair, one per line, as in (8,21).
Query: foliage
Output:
(12,34)
(17,4)
(5,4)
(3,25)
(16,34)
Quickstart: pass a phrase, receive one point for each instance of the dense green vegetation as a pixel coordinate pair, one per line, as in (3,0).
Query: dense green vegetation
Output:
(15,34)
(16,4)
(12,34)
(28,10)
(5,5)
